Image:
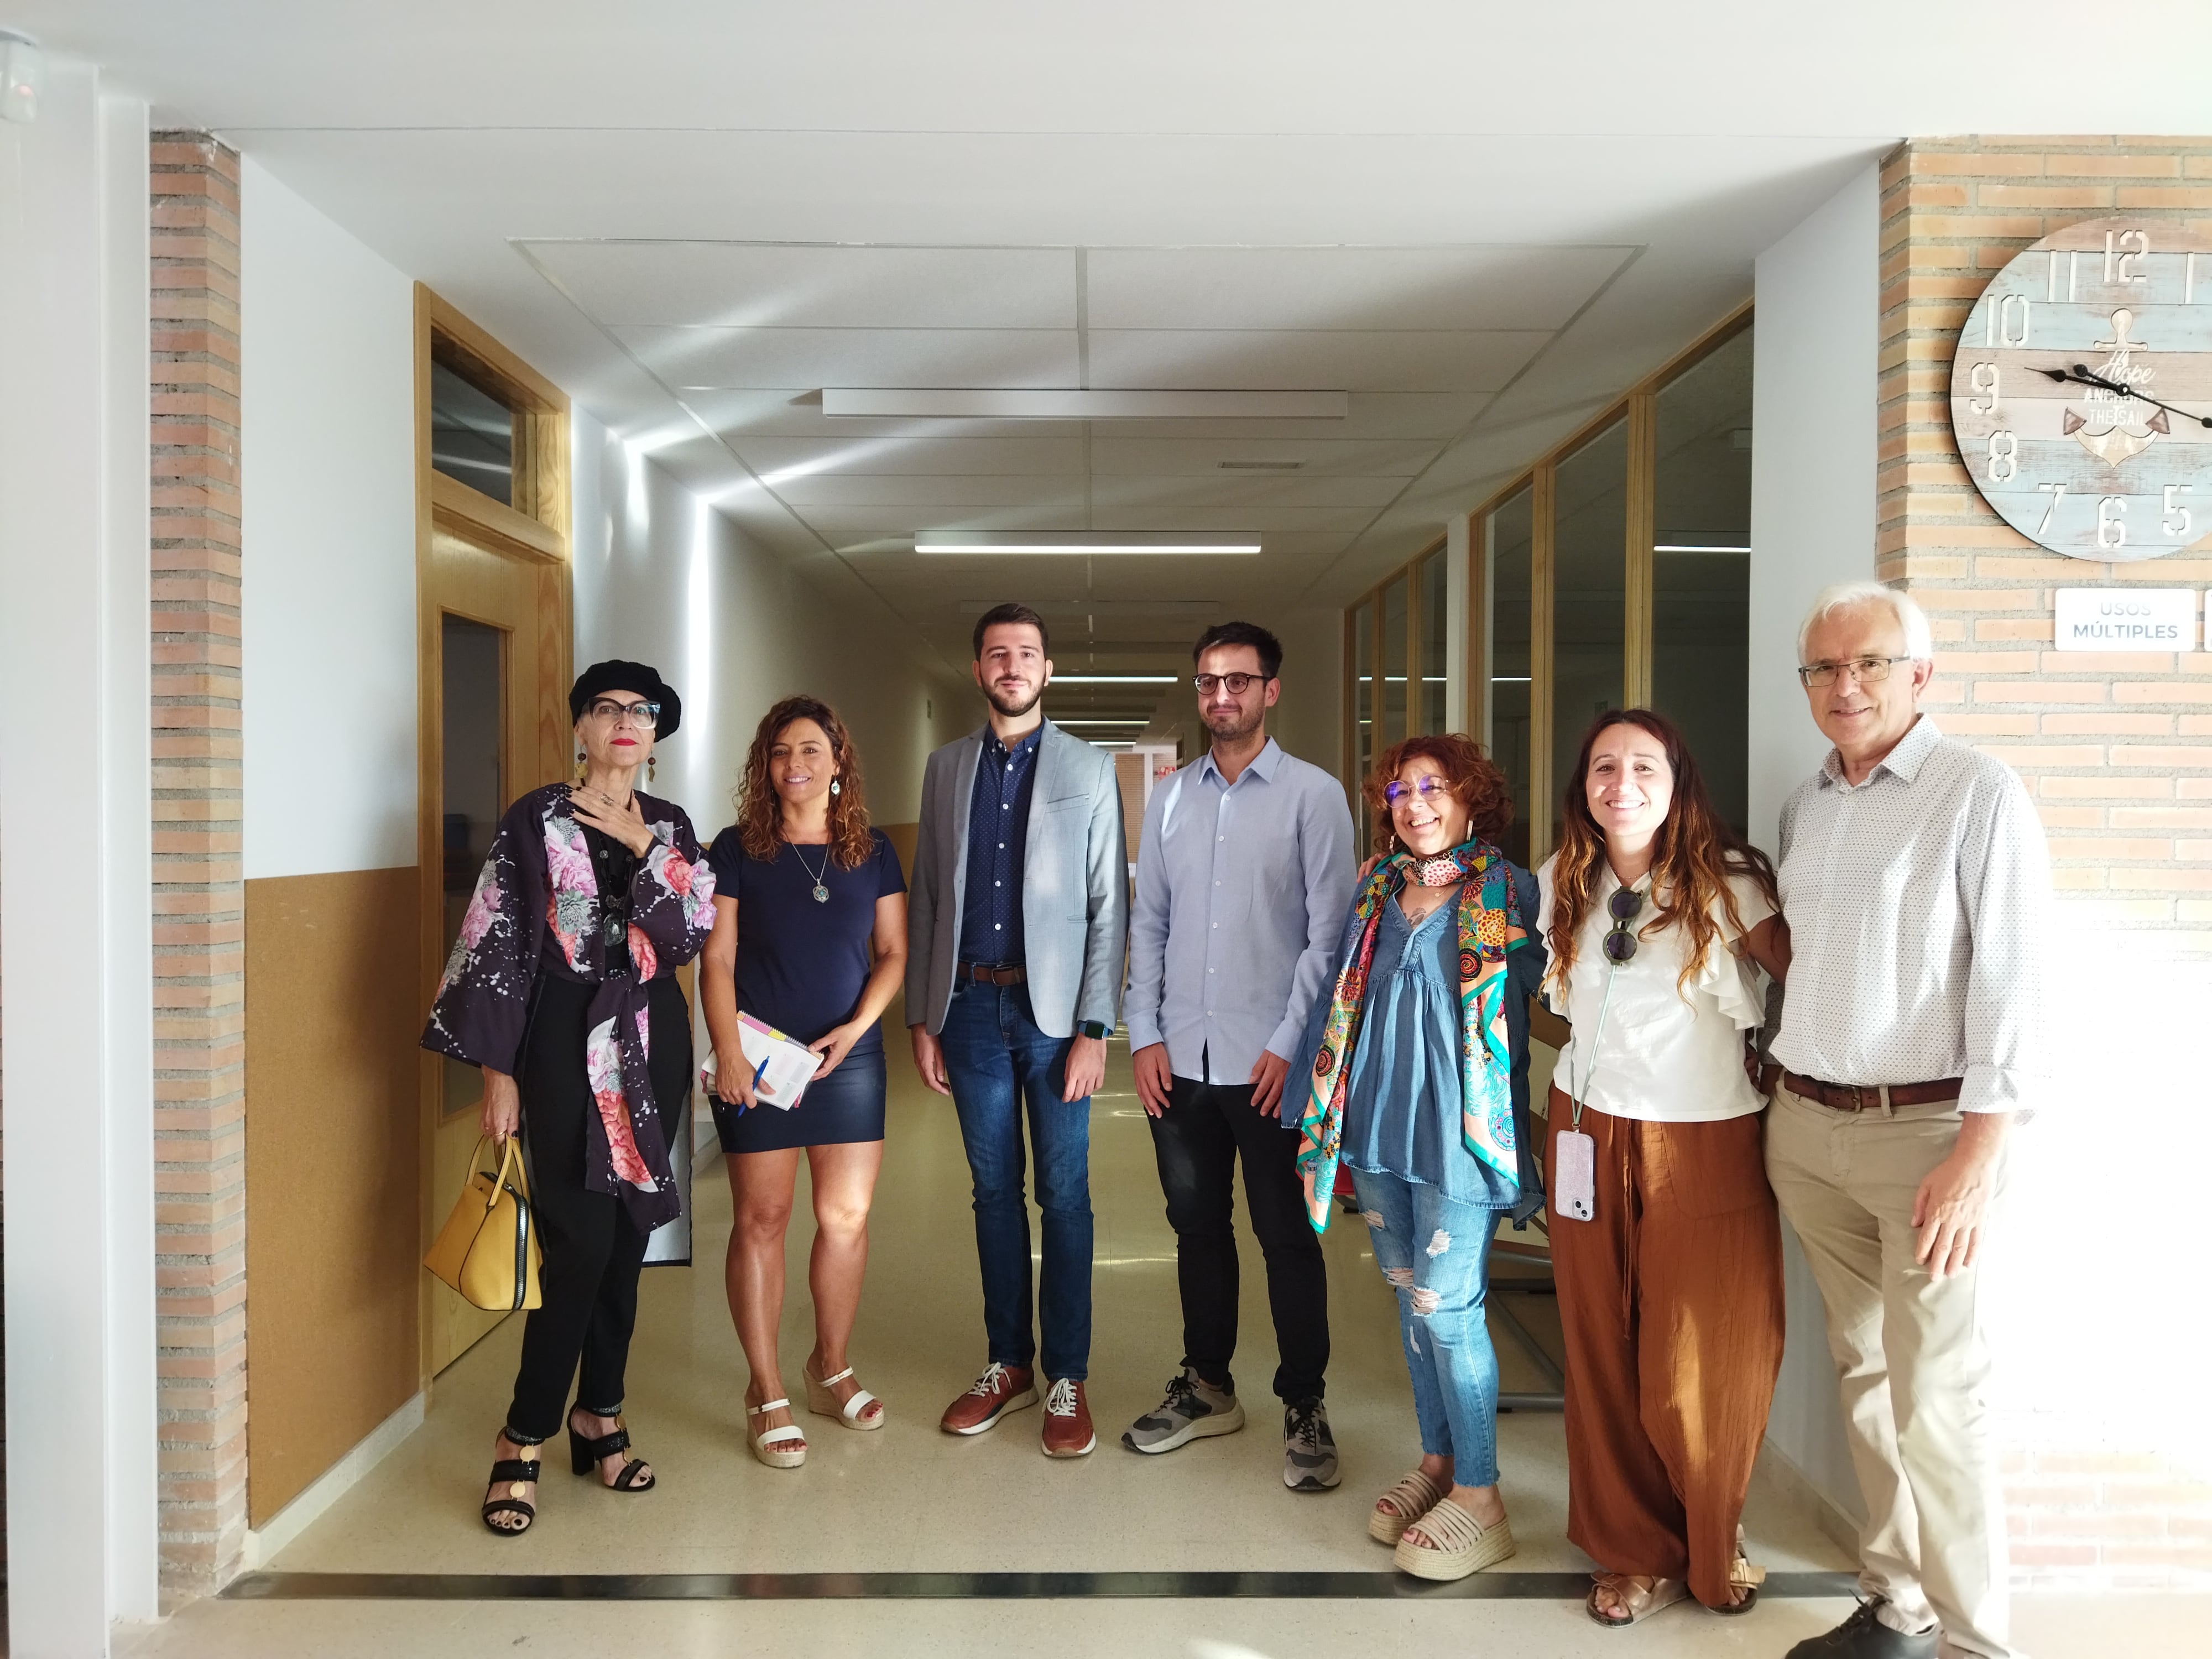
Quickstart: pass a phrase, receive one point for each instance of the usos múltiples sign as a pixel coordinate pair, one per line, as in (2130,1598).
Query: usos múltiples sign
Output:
(2127,619)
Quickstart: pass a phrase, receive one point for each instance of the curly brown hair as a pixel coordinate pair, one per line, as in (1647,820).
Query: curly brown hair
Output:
(1694,855)
(1472,778)
(760,813)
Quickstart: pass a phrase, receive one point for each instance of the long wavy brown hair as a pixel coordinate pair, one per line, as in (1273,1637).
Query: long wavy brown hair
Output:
(1473,778)
(1693,856)
(760,809)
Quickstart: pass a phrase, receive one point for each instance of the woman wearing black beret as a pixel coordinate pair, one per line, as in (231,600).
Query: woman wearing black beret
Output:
(561,987)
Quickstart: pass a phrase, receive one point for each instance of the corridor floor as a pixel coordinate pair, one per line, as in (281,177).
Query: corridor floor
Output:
(912,1499)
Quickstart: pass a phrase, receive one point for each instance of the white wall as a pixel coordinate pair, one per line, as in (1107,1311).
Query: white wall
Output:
(1812,523)
(327,396)
(661,578)
(76,936)
(1812,463)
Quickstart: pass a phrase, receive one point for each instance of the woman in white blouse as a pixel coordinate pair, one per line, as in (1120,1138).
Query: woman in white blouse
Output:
(1665,1245)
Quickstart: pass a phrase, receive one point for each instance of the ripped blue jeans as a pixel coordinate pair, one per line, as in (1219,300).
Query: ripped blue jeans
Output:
(1435,1253)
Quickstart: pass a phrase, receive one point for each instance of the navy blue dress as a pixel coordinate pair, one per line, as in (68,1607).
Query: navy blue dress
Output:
(801,968)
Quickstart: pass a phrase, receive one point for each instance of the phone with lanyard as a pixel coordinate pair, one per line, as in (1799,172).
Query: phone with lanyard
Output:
(1574,1174)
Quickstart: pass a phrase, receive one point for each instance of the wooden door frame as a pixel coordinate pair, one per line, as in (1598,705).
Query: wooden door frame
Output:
(535,534)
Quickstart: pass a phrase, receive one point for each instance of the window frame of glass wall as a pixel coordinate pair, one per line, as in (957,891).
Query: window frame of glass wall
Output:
(1638,409)
(1374,656)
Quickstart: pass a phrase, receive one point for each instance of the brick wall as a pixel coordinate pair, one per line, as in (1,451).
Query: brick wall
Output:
(2117,751)
(198,890)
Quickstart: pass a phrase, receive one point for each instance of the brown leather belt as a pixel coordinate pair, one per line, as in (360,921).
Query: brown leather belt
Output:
(984,973)
(1871,1096)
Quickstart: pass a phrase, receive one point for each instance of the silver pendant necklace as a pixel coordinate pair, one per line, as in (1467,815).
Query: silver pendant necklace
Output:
(821,892)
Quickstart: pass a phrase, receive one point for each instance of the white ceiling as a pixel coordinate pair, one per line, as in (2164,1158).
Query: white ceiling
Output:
(1481,220)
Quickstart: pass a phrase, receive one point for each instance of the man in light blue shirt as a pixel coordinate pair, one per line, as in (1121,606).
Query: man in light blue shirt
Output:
(1243,874)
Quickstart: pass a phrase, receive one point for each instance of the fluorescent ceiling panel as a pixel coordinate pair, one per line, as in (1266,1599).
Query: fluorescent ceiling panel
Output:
(1074,405)
(1083,542)
(1360,360)
(764,357)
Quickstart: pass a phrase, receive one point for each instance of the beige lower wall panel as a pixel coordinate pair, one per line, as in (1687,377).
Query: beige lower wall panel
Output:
(332,1186)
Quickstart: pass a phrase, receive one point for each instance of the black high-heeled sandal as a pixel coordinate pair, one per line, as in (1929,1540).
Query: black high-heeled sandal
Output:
(515,1471)
(586,1455)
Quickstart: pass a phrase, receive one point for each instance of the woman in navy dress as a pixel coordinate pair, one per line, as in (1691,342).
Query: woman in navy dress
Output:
(810,938)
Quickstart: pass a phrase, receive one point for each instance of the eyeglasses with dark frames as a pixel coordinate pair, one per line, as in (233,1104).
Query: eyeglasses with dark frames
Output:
(1867,670)
(1237,685)
(643,715)
(1624,906)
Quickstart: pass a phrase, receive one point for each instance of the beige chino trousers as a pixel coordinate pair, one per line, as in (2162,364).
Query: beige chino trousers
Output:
(1912,1361)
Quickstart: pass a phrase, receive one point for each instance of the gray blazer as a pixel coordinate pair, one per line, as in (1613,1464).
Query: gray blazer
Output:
(1075,883)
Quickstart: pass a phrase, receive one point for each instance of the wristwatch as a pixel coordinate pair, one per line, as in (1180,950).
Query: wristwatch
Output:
(1092,1028)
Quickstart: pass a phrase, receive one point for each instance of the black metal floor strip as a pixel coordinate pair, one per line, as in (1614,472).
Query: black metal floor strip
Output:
(931,1586)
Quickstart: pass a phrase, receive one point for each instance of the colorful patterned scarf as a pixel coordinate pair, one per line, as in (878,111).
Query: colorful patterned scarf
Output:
(1488,920)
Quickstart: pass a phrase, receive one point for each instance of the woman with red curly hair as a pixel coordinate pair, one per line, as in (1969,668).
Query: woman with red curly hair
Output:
(1657,917)
(1419,1087)
(810,938)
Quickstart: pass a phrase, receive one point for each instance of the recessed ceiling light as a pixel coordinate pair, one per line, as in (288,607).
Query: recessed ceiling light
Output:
(1084,541)
(1057,721)
(958,404)
(1696,547)
(1114,679)
(1259,466)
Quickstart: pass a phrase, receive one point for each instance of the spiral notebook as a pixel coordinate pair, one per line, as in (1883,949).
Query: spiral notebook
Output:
(783,1066)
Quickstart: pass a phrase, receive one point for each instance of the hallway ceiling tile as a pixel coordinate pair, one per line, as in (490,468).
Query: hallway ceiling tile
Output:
(1356,360)
(717,358)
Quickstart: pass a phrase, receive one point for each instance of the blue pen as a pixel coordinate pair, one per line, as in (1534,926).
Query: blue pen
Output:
(759,1072)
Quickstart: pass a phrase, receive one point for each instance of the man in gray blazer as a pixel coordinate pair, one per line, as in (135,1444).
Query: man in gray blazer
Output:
(1016,923)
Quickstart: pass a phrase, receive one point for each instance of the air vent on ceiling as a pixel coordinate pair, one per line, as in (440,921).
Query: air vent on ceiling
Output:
(1261,466)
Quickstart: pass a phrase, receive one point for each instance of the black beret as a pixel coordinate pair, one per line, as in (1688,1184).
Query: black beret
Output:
(634,677)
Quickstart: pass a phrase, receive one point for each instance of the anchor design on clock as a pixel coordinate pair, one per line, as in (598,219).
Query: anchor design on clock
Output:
(2081,392)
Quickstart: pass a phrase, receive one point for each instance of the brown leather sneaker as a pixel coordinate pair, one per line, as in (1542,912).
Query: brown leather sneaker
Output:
(1067,1431)
(1000,1389)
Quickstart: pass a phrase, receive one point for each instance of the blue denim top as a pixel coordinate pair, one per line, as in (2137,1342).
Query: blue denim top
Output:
(1402,1099)
(998,840)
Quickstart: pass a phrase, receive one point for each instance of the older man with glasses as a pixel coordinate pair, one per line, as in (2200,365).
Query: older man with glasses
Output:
(1242,875)
(1917,889)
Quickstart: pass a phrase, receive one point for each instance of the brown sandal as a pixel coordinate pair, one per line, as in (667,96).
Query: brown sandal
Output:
(1639,1602)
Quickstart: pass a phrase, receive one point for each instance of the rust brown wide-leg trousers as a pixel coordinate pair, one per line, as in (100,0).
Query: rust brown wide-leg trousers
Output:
(1671,1301)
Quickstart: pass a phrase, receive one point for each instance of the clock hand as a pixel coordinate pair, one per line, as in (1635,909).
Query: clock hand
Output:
(2082,376)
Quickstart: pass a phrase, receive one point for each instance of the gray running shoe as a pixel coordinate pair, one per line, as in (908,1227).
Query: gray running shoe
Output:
(1193,1410)
(1308,1448)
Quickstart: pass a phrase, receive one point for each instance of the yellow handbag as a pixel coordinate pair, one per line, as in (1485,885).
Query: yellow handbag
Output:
(487,1249)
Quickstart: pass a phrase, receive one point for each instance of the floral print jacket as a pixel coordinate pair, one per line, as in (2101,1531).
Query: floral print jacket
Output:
(536,909)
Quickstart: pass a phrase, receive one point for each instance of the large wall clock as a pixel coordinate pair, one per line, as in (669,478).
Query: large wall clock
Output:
(2081,395)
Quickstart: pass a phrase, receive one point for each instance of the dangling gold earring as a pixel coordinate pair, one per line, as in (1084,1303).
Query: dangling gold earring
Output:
(579,766)
(650,761)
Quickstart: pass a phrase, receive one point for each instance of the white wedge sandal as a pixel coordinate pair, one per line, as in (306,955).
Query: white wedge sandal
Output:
(822,1403)
(772,1446)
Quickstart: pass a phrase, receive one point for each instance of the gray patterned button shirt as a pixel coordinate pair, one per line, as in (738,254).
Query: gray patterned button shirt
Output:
(1241,893)
(1920,925)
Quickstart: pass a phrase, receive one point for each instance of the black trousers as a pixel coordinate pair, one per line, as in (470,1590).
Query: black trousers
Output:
(592,1250)
(1197,1140)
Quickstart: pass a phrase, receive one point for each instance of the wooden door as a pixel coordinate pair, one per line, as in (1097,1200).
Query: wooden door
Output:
(491,623)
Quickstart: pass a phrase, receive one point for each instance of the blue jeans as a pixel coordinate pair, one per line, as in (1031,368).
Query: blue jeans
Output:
(1435,1253)
(997,1060)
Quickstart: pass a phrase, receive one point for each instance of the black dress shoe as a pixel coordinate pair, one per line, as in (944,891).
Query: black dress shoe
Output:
(1862,1636)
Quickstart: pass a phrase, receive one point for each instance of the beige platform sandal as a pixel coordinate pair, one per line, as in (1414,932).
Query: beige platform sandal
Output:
(1632,1598)
(1409,1500)
(1458,1544)
(822,1403)
(772,1446)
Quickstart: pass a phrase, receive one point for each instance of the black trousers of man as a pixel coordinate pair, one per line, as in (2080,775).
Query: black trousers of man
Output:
(1197,1141)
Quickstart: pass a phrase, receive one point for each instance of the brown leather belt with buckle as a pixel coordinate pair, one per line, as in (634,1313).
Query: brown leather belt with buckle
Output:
(984,974)
(1871,1096)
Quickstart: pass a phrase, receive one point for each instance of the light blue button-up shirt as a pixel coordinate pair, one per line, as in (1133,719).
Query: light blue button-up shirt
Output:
(1241,894)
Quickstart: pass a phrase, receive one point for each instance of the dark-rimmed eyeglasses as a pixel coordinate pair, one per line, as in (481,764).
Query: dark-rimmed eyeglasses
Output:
(643,715)
(1236,685)
(1624,906)
(1867,670)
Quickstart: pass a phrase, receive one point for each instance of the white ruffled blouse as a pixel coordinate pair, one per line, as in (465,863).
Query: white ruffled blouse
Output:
(1669,1053)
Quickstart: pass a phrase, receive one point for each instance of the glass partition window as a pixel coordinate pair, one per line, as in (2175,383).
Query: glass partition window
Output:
(1434,714)
(471,433)
(1701,569)
(1589,596)
(1363,730)
(1509,541)
(473,788)
(1395,639)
